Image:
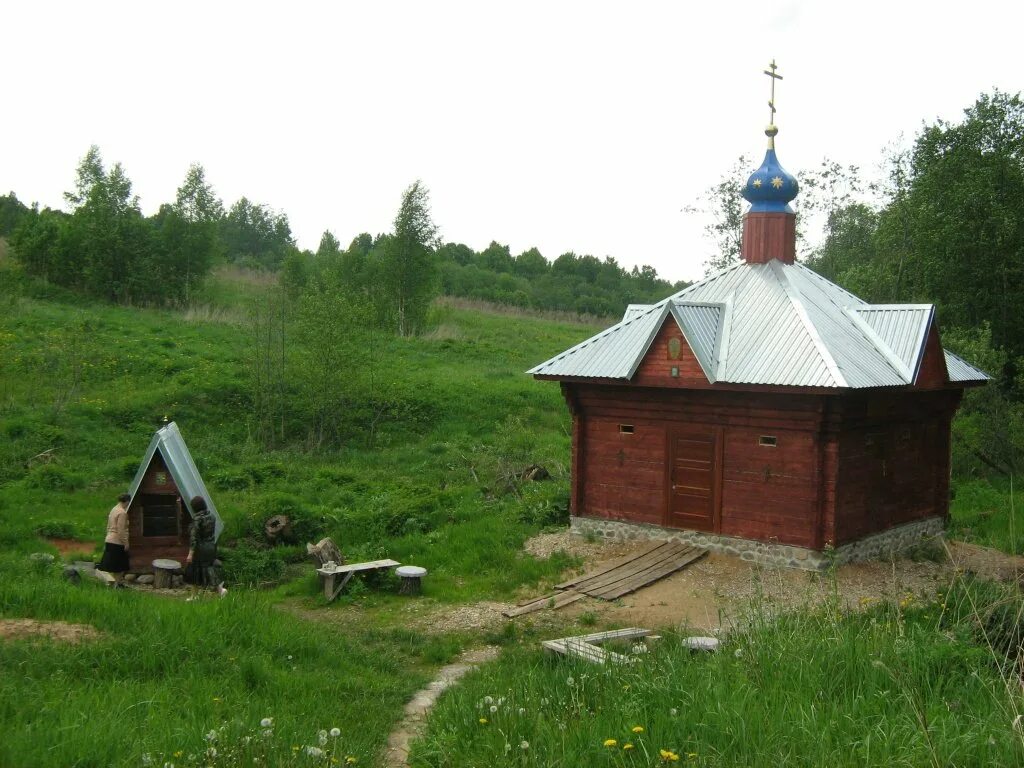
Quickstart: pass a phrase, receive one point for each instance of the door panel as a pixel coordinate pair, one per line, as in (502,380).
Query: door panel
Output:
(693,479)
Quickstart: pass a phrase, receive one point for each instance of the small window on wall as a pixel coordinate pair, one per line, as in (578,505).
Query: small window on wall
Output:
(768,441)
(625,429)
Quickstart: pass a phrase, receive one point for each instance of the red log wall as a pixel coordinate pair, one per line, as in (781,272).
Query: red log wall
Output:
(842,467)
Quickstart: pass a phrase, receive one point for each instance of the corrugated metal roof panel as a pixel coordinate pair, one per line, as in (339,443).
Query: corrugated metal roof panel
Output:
(961,371)
(777,324)
(902,328)
(635,310)
(611,354)
(702,326)
(171,444)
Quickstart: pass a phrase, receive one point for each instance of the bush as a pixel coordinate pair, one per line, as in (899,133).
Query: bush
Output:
(50,477)
(249,564)
(57,529)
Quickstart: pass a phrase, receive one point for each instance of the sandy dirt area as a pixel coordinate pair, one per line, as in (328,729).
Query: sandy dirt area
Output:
(716,590)
(50,630)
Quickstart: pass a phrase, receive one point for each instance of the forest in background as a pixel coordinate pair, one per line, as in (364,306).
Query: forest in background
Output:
(945,226)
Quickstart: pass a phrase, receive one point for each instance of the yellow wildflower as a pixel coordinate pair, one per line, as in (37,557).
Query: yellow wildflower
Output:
(626,747)
(610,743)
(483,721)
(668,755)
(179,753)
(638,729)
(351,760)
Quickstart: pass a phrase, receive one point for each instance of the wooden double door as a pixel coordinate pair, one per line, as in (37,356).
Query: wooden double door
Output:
(694,478)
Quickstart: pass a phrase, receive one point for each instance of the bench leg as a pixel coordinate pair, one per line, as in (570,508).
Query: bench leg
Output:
(330,591)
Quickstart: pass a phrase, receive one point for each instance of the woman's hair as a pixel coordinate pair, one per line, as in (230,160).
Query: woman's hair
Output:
(124,498)
(198,504)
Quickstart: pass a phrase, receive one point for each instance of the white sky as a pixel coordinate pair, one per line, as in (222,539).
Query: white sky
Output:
(581,126)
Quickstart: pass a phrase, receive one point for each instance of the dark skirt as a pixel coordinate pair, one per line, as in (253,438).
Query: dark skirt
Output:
(115,559)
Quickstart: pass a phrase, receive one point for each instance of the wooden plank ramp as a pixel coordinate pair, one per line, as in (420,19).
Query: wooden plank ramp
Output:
(612,580)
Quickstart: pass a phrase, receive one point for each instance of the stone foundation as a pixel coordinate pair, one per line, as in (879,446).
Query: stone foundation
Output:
(873,547)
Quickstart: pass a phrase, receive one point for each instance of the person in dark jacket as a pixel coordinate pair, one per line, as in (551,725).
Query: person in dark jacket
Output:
(201,565)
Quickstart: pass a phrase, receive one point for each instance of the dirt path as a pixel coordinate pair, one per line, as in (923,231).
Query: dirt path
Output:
(60,631)
(416,711)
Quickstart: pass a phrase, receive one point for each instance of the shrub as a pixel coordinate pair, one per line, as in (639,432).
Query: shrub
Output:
(57,529)
(50,477)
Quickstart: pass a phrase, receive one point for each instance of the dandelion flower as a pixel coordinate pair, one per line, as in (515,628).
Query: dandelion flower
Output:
(626,747)
(266,722)
(335,732)
(611,743)
(488,700)
(211,736)
(668,755)
(351,760)
(314,752)
(570,681)
(494,708)
(322,738)
(179,753)
(211,752)
(638,729)
(524,744)
(147,759)
(483,721)
(673,712)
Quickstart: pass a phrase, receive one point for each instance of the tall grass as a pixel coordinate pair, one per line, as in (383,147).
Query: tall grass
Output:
(890,687)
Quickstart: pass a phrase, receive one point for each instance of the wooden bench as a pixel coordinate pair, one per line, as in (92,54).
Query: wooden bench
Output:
(336,577)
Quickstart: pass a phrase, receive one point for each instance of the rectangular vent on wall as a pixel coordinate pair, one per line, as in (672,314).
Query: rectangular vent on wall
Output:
(768,441)
(625,429)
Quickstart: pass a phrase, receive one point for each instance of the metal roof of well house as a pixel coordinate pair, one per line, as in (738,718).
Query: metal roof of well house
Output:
(171,445)
(770,324)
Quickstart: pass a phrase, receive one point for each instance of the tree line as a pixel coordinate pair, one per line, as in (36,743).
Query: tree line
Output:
(103,246)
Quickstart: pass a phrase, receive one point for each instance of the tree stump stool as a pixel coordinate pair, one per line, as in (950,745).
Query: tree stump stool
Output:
(412,578)
(163,571)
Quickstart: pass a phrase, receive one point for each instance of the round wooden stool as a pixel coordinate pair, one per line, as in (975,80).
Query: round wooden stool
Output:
(163,570)
(412,577)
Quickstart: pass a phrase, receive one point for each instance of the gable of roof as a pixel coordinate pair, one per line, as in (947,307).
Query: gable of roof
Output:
(171,445)
(772,324)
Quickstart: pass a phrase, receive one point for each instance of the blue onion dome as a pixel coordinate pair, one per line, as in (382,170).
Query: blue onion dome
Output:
(770,189)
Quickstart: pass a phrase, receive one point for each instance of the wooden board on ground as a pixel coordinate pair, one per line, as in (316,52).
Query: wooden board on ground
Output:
(554,600)
(610,581)
(587,647)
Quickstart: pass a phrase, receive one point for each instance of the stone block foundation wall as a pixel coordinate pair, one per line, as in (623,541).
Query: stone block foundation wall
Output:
(874,547)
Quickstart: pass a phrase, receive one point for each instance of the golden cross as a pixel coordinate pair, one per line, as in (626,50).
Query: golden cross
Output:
(774,76)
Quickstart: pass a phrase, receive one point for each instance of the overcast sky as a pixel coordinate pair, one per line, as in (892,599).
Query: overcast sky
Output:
(567,126)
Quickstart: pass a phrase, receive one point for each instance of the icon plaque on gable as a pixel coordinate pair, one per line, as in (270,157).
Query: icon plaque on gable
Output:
(160,478)
(675,346)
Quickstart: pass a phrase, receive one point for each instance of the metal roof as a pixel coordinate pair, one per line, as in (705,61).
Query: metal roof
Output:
(960,371)
(171,444)
(776,324)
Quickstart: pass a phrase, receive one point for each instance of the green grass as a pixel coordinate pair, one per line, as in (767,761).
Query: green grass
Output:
(165,672)
(984,512)
(813,688)
(83,386)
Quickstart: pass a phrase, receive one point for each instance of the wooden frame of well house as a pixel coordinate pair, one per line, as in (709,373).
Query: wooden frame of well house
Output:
(160,512)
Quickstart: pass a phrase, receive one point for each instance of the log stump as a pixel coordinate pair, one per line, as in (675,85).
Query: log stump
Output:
(163,573)
(325,551)
(411,579)
(277,528)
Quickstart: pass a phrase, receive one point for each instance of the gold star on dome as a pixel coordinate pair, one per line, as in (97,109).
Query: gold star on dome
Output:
(777,182)
(756,183)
